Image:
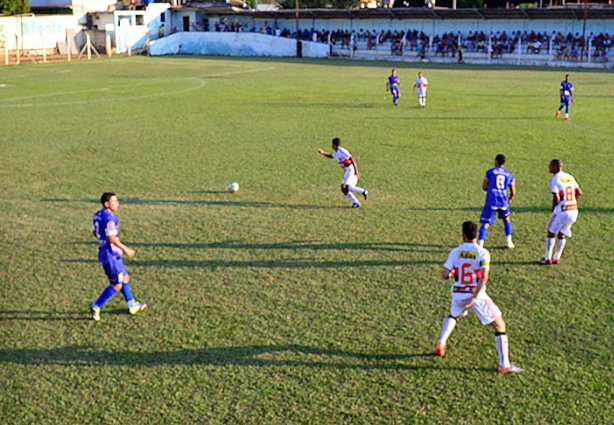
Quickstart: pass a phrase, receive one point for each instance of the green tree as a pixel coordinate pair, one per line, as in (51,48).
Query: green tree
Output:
(14,7)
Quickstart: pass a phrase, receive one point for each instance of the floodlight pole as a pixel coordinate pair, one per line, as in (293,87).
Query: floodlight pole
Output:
(583,31)
(299,47)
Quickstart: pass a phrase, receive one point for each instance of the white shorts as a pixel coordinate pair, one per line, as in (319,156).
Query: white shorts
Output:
(561,222)
(349,177)
(485,308)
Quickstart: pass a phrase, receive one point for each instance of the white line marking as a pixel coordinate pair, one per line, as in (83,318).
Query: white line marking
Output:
(199,79)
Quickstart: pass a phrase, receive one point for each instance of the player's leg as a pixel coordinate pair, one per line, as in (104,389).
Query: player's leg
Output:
(567,110)
(350,196)
(457,310)
(507,227)
(133,306)
(563,234)
(489,314)
(553,227)
(115,284)
(486,220)
(364,192)
(349,180)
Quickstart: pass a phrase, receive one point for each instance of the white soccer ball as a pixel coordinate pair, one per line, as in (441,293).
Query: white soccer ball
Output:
(233,187)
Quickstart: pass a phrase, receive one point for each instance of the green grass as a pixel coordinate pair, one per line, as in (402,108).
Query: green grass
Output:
(280,304)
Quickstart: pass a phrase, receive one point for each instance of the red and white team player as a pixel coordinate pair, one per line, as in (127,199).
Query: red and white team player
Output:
(351,176)
(565,193)
(469,265)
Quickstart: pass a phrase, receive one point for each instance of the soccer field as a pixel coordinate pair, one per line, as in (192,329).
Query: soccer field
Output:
(280,303)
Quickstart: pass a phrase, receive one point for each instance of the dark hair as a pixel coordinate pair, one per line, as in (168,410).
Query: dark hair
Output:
(470,229)
(106,197)
(500,159)
(337,141)
(556,163)
(393,69)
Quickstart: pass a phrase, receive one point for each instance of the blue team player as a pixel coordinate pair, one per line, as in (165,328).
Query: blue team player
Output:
(394,87)
(110,251)
(496,183)
(566,90)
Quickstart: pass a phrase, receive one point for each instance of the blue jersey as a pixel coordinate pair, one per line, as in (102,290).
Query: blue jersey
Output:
(105,224)
(393,82)
(566,89)
(499,179)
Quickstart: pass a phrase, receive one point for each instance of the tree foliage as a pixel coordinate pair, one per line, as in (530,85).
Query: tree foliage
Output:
(14,7)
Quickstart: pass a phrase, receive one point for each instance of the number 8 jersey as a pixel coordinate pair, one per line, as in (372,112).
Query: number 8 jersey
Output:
(467,262)
(566,186)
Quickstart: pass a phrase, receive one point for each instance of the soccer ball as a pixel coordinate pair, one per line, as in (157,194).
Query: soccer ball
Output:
(233,187)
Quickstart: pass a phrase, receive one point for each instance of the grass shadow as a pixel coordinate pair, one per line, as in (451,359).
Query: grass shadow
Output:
(223,203)
(299,263)
(288,355)
(38,315)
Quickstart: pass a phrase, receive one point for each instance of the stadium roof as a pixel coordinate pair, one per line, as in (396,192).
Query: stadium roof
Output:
(563,13)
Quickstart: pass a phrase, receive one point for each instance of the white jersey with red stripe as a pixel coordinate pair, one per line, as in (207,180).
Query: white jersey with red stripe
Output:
(467,261)
(566,186)
(342,156)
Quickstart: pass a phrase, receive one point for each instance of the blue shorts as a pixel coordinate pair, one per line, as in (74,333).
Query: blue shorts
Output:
(489,214)
(395,91)
(565,100)
(115,270)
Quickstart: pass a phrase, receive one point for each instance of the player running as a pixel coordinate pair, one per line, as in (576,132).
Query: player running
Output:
(393,85)
(469,266)
(565,193)
(110,251)
(566,90)
(496,183)
(351,176)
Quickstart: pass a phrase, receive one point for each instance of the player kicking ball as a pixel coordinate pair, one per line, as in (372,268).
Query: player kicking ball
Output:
(351,176)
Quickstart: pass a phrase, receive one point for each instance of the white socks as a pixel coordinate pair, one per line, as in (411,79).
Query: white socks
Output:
(352,198)
(448,326)
(549,248)
(502,350)
(356,189)
(560,245)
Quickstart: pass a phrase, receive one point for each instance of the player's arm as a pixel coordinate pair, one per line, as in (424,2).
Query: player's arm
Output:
(485,185)
(512,191)
(387,86)
(571,92)
(321,152)
(447,273)
(355,167)
(555,200)
(481,284)
(115,241)
(578,192)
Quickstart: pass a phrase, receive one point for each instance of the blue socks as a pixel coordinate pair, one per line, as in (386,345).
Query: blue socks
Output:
(482,233)
(106,295)
(127,293)
(507,226)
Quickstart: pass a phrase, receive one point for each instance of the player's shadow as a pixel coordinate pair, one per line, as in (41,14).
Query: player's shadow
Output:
(50,316)
(298,246)
(296,263)
(288,355)
(43,315)
(222,203)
